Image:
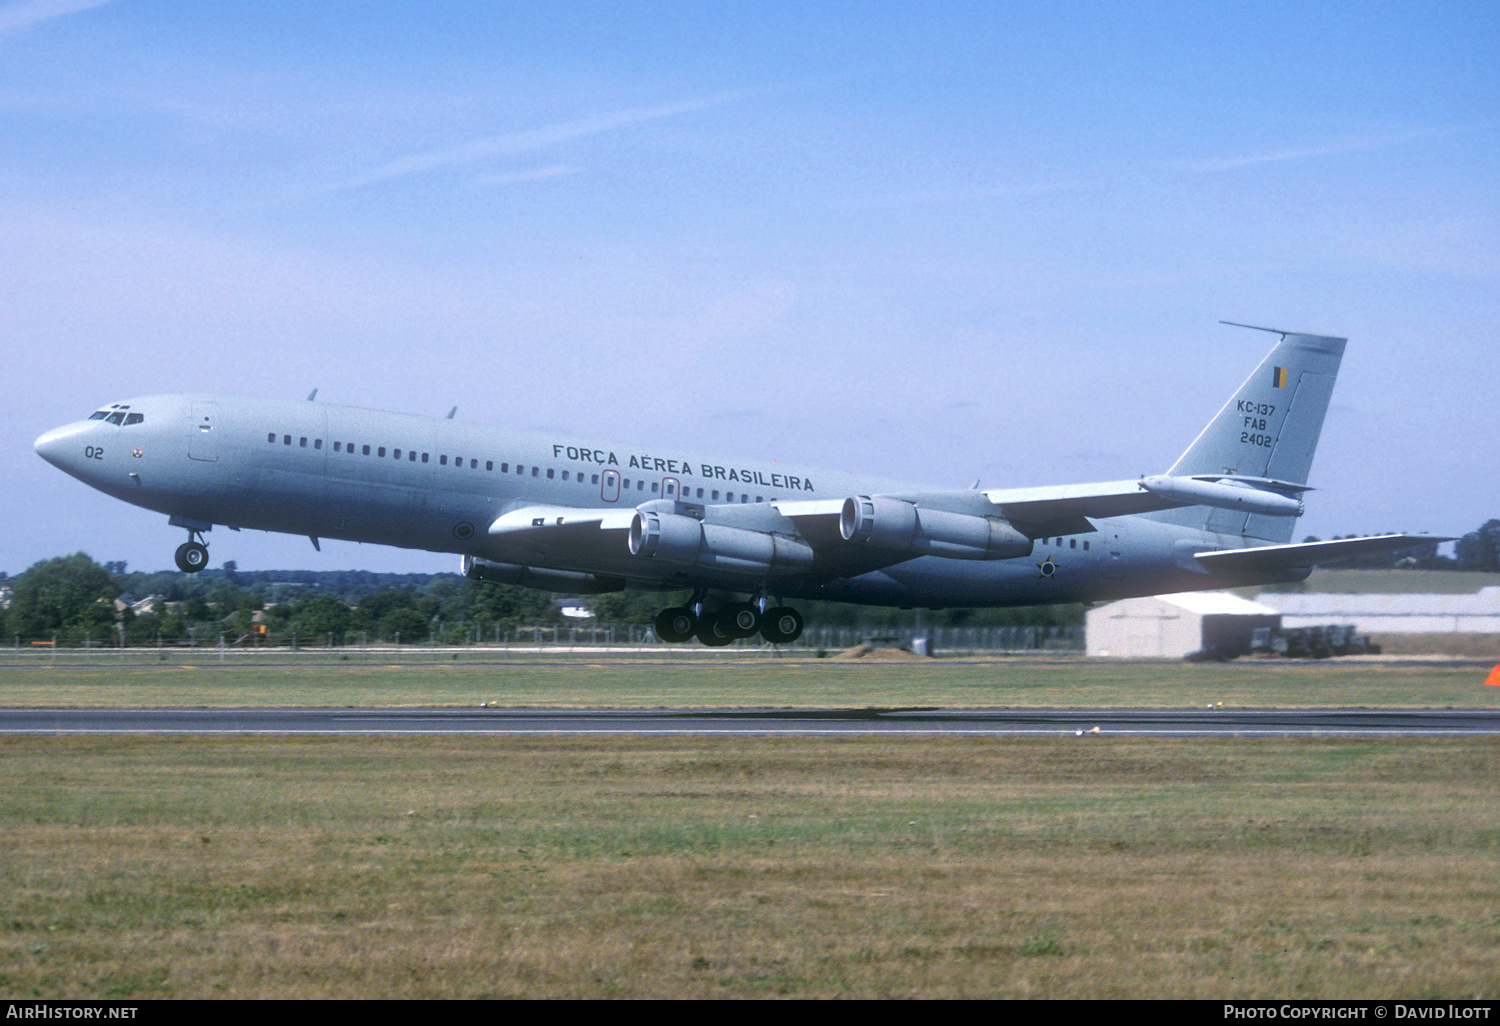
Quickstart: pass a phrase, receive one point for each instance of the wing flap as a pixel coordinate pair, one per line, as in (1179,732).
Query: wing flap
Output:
(550,519)
(1067,509)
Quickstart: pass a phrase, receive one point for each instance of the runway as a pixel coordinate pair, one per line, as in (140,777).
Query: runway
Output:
(758,722)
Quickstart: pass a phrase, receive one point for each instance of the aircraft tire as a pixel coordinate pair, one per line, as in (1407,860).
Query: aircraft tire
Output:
(676,624)
(192,557)
(740,620)
(782,625)
(713,634)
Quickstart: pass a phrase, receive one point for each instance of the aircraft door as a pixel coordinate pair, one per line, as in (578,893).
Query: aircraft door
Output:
(609,486)
(203,443)
(1114,564)
(671,488)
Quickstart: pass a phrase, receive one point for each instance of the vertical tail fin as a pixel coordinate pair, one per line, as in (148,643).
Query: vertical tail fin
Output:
(1268,429)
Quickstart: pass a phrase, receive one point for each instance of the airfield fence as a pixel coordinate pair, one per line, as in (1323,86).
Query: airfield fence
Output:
(462,641)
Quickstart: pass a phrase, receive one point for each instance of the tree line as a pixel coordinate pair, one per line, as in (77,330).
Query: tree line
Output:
(1479,550)
(73,598)
(76,600)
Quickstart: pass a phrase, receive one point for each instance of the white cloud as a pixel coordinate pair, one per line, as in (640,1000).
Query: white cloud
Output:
(958,194)
(537,175)
(23,14)
(1331,148)
(534,139)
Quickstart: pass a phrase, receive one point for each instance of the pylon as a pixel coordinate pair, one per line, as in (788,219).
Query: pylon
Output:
(1494,678)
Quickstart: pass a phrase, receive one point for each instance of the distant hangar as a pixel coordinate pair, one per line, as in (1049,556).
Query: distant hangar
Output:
(1471,613)
(1173,626)
(1463,625)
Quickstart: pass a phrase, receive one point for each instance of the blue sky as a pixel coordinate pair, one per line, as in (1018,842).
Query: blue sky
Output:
(938,242)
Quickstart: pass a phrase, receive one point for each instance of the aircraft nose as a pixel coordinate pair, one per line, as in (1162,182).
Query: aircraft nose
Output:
(58,446)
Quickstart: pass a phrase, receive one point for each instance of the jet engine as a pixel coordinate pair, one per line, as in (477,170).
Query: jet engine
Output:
(543,580)
(902,526)
(674,538)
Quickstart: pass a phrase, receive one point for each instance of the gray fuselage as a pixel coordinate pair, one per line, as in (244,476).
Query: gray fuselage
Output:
(328,471)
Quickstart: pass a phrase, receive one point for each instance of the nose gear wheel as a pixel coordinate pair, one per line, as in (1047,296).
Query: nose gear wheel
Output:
(192,556)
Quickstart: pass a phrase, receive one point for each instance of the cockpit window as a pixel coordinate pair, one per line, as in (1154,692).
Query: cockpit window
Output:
(117,413)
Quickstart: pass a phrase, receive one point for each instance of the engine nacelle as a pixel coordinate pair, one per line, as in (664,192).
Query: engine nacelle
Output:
(901,526)
(542,580)
(1240,497)
(673,538)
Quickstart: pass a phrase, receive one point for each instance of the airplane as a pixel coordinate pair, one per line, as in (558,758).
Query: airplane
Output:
(588,517)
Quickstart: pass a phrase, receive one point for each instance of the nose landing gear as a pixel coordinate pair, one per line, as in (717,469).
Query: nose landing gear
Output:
(192,555)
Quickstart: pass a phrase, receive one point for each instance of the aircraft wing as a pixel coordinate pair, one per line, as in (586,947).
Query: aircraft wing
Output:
(1034,512)
(1065,509)
(1060,509)
(1068,509)
(1307,554)
(816,520)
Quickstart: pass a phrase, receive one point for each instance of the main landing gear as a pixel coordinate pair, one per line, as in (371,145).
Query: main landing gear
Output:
(777,624)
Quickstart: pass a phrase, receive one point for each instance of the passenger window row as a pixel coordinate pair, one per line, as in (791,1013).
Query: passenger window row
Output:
(412,456)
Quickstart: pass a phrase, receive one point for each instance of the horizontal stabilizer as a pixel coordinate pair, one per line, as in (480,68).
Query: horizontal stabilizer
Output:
(1308,554)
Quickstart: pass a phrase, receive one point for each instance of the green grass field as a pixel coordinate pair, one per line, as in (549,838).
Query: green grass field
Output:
(561,679)
(142,867)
